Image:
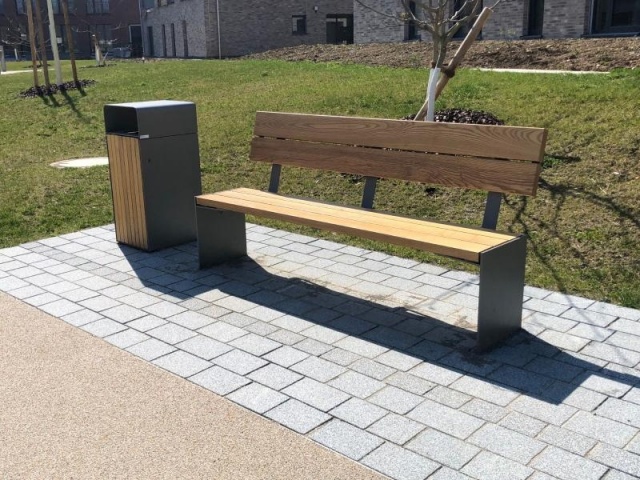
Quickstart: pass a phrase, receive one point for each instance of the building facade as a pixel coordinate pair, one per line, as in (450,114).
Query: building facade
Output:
(514,19)
(231,28)
(115,23)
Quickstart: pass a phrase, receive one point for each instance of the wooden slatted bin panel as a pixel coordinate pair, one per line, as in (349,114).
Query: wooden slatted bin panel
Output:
(127,190)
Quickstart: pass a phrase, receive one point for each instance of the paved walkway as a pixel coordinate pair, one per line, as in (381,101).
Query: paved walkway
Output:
(362,352)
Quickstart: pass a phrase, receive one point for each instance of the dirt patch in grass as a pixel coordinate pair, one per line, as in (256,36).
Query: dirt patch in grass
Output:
(595,54)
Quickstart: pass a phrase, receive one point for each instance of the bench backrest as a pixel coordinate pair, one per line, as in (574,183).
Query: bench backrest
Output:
(497,159)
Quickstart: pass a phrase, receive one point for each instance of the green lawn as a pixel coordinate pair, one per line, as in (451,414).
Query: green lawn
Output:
(584,225)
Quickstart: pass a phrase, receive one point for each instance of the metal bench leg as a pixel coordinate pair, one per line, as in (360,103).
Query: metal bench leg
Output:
(501,292)
(221,235)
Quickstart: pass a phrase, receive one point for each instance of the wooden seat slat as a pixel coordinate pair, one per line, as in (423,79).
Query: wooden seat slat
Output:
(366,224)
(490,141)
(469,234)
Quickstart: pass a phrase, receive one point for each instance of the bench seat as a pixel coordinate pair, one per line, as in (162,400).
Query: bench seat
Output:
(454,241)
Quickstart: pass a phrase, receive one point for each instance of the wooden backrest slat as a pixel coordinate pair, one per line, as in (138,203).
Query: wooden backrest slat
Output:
(514,143)
(448,170)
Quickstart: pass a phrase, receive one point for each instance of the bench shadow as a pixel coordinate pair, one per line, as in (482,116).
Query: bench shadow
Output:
(523,363)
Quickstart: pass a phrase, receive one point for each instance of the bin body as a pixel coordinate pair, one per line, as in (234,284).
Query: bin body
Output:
(154,165)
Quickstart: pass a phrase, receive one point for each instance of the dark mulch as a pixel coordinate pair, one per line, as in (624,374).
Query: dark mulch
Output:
(457,115)
(41,90)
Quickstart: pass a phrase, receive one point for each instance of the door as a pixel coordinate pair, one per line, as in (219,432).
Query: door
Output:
(536,16)
(339,28)
(151,52)
(616,16)
(135,39)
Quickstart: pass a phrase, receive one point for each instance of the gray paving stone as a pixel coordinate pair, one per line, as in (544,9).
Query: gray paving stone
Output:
(521,379)
(613,354)
(318,369)
(617,475)
(448,396)
(396,400)
(552,322)
(41,299)
(524,424)
(313,347)
(399,463)
(625,340)
(602,384)
(545,411)
(239,362)
(263,313)
(60,287)
(171,333)
(564,341)
(298,416)
(204,347)
(255,344)
(146,323)
(435,373)
(567,440)
(223,332)
(316,394)
(487,465)
(358,412)
(544,306)
(372,368)
(581,398)
(600,428)
(286,356)
(78,294)
(151,349)
(219,380)
(257,397)
(410,383)
(346,439)
(191,320)
(182,363)
(126,338)
(554,369)
(356,384)
(506,443)
(634,445)
(398,360)
(237,319)
(81,317)
(291,323)
(103,328)
(341,357)
(274,376)
(123,313)
(588,317)
(26,292)
(118,291)
(446,473)
(164,309)
(567,466)
(323,334)
(443,448)
(484,410)
(627,326)
(396,428)
(621,411)
(352,325)
(570,300)
(615,310)
(26,272)
(99,304)
(60,308)
(445,419)
(591,332)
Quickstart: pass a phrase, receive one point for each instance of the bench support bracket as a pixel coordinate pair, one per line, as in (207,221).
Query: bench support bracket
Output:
(221,235)
(370,184)
(492,210)
(501,292)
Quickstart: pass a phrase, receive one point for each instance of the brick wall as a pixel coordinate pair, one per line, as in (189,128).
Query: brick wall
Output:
(185,13)
(260,25)
(562,19)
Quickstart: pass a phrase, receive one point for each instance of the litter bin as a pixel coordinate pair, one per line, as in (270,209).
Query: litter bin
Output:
(154,165)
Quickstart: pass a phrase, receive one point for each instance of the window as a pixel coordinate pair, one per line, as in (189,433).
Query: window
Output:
(97,7)
(298,24)
(164,40)
(536,17)
(184,38)
(173,39)
(616,16)
(339,28)
(411,32)
(1,7)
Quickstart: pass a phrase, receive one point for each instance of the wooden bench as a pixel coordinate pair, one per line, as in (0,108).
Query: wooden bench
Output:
(497,159)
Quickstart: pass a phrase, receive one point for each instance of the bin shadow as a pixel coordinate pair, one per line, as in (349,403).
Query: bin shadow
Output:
(524,363)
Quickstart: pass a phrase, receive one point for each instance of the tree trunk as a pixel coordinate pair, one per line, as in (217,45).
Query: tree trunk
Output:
(72,53)
(43,46)
(32,43)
